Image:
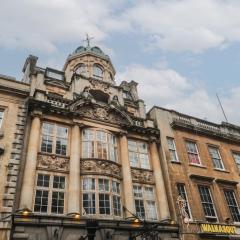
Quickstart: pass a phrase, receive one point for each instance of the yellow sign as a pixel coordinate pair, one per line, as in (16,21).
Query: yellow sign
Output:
(217,228)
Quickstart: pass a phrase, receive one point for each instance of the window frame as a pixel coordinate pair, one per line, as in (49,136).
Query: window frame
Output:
(195,153)
(218,159)
(185,198)
(236,202)
(173,150)
(208,217)
(234,159)
(106,192)
(98,66)
(50,189)
(54,139)
(144,198)
(78,66)
(111,145)
(139,163)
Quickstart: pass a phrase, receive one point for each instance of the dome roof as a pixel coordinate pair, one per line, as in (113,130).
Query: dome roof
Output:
(95,50)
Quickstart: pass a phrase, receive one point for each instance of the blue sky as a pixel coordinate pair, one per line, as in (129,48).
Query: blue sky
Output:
(182,52)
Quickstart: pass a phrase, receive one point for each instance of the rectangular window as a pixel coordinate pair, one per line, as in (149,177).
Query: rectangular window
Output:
(1,117)
(236,157)
(54,139)
(232,204)
(207,203)
(216,158)
(88,184)
(89,203)
(145,204)
(116,205)
(104,204)
(49,195)
(172,150)
(99,144)
(138,154)
(182,192)
(192,151)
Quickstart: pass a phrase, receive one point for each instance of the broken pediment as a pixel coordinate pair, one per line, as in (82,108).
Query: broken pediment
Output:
(102,112)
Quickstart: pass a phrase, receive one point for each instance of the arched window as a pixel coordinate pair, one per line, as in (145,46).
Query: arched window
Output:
(81,69)
(99,144)
(97,71)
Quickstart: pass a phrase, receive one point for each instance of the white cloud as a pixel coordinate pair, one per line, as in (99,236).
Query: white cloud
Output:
(175,25)
(42,24)
(189,25)
(169,89)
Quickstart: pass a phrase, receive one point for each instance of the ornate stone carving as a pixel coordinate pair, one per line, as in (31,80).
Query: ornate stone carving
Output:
(102,167)
(100,85)
(142,176)
(103,114)
(52,162)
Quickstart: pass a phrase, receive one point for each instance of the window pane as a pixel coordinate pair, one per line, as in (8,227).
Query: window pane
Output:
(183,194)
(151,211)
(116,206)
(88,149)
(1,117)
(172,150)
(97,71)
(59,182)
(232,204)
(43,180)
(214,153)
(88,184)
(57,202)
(81,69)
(144,161)
(103,185)
(115,187)
(140,211)
(89,203)
(237,158)
(137,191)
(207,202)
(47,144)
(104,204)
(41,201)
(61,146)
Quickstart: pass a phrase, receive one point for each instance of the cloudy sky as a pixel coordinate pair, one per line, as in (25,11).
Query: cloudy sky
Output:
(181,52)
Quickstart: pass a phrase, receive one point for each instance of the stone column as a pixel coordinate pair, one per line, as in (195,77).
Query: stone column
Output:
(74,172)
(127,177)
(28,184)
(160,187)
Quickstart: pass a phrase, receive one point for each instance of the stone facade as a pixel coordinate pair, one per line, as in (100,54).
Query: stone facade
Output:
(90,158)
(180,171)
(13,120)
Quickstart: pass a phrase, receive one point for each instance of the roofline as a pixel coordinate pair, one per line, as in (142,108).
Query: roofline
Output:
(190,116)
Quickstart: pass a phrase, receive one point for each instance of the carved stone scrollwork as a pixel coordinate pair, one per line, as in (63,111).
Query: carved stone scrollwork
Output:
(52,162)
(102,167)
(101,113)
(142,176)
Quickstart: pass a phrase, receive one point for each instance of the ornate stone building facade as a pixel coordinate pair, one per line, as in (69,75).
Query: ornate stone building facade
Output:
(91,163)
(13,115)
(200,162)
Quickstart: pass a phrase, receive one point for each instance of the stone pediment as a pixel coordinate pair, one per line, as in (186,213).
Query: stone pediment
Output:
(102,112)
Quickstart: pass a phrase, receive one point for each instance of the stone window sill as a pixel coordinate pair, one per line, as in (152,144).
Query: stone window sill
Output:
(221,170)
(176,162)
(196,165)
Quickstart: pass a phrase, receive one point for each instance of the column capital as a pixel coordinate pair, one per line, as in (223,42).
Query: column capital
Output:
(154,140)
(122,133)
(36,113)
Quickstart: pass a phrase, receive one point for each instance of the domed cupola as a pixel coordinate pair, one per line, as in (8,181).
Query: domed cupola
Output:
(90,62)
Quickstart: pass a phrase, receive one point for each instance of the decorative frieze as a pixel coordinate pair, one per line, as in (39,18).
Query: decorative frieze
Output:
(142,176)
(101,167)
(53,162)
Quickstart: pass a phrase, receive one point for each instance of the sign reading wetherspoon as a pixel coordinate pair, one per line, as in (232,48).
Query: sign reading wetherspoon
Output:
(217,228)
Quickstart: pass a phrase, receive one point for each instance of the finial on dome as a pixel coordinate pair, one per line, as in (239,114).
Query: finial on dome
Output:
(88,39)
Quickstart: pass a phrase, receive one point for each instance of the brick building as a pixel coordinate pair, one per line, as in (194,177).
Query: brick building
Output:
(200,161)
